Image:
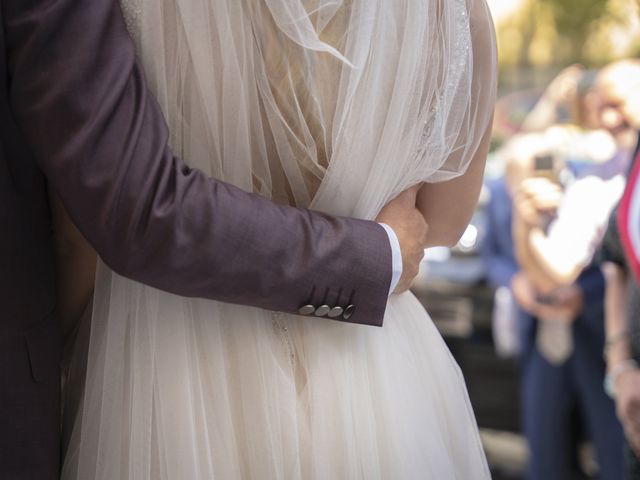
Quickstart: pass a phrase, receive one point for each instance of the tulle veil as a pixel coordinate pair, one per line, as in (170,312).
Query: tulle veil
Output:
(336,105)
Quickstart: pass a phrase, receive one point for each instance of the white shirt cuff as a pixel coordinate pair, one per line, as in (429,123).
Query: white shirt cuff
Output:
(396,257)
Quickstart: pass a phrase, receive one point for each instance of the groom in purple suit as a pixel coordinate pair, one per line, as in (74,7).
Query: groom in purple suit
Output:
(75,110)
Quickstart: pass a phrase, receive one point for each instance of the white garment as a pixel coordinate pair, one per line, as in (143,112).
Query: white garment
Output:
(504,324)
(396,257)
(336,105)
(583,215)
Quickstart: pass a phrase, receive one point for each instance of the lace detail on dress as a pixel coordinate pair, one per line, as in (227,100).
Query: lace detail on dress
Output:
(462,41)
(132,11)
(461,63)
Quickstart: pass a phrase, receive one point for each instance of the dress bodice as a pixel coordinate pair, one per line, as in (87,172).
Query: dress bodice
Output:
(321,103)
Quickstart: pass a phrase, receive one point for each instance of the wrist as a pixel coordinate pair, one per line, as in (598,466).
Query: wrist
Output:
(615,372)
(617,348)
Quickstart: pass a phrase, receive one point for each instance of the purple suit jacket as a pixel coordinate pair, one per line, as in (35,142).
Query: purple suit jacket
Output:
(74,108)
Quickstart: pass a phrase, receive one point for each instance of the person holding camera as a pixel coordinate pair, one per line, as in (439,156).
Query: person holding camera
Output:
(558,292)
(618,109)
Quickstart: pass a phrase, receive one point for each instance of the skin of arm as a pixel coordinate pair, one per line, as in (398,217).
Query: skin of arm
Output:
(616,299)
(569,298)
(548,266)
(561,269)
(559,261)
(448,206)
(627,383)
(527,260)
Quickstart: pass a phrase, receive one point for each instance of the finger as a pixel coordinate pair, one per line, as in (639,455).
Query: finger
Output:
(403,201)
(424,243)
(401,287)
(408,197)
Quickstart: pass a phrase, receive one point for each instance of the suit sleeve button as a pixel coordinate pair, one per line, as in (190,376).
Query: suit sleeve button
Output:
(307,310)
(336,312)
(322,310)
(348,312)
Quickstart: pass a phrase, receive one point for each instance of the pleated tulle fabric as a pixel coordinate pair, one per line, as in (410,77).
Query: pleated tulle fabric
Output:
(330,104)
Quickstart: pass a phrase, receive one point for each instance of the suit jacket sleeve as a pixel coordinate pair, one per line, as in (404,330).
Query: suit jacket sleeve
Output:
(80,99)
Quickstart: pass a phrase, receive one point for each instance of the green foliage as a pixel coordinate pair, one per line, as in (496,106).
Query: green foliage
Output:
(574,21)
(553,33)
(576,17)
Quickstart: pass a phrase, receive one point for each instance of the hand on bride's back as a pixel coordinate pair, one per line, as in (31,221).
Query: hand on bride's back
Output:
(409,225)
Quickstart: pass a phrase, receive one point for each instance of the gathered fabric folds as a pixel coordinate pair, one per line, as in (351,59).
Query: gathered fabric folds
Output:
(335,105)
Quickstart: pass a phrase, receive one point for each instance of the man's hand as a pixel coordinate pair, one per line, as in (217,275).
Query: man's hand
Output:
(411,229)
(628,406)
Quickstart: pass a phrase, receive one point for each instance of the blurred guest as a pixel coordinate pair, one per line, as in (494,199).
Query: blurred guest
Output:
(560,249)
(562,369)
(564,206)
(622,347)
(498,256)
(613,104)
(619,102)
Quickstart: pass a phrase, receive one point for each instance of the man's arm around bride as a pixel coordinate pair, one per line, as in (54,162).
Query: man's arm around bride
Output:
(76,111)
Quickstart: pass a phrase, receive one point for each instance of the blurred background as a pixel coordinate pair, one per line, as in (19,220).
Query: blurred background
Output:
(520,299)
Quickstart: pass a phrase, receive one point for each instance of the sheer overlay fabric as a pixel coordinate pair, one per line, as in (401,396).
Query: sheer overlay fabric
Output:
(337,105)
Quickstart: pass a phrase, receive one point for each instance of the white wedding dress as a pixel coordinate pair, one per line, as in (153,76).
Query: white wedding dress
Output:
(337,105)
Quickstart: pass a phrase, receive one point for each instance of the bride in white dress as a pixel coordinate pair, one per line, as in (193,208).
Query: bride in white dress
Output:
(337,105)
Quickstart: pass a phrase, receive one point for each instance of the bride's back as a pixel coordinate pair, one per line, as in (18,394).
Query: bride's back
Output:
(267,94)
(337,105)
